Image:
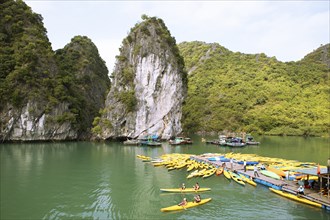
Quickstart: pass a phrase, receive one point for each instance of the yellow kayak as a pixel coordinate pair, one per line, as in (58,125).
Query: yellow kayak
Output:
(236,178)
(187,190)
(277,171)
(227,175)
(209,173)
(189,205)
(247,180)
(296,198)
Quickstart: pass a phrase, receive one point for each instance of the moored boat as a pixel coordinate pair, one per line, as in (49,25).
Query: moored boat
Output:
(235,142)
(180,141)
(189,205)
(151,143)
(249,140)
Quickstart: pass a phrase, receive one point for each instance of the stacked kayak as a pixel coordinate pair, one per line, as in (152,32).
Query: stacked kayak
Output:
(187,190)
(270,174)
(219,171)
(277,171)
(247,180)
(236,178)
(226,173)
(189,205)
(296,198)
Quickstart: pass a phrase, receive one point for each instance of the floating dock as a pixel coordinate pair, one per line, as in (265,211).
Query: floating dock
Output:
(287,186)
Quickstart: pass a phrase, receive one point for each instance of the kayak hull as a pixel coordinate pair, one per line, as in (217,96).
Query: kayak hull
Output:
(227,175)
(189,205)
(236,178)
(187,190)
(296,198)
(270,174)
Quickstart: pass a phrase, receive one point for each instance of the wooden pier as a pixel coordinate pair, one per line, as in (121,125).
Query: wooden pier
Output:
(285,185)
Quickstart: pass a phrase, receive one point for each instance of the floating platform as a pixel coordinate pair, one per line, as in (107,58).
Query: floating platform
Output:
(285,185)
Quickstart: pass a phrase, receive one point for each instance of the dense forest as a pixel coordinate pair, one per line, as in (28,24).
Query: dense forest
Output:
(227,91)
(230,91)
(67,86)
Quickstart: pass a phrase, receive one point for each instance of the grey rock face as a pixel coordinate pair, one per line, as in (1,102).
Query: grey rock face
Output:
(150,72)
(31,123)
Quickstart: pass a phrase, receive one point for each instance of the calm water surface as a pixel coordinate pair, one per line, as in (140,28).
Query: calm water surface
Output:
(85,180)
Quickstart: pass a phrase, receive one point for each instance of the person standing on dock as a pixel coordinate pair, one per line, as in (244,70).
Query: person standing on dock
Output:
(244,164)
(231,164)
(328,165)
(255,169)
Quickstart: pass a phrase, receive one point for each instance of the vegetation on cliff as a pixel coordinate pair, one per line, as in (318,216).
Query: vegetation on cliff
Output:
(27,61)
(255,93)
(30,71)
(82,80)
(148,66)
(226,90)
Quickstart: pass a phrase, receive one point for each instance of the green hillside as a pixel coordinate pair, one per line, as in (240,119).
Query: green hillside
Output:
(68,85)
(255,93)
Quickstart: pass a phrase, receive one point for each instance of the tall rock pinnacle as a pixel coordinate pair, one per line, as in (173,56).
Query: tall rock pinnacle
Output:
(149,85)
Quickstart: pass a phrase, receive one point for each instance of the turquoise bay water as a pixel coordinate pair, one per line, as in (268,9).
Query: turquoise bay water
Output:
(86,180)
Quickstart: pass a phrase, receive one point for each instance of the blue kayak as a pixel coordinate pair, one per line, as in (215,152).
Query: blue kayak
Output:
(248,162)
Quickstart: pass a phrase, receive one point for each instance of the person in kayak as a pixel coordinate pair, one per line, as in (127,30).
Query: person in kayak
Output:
(183,187)
(197,198)
(183,203)
(196,186)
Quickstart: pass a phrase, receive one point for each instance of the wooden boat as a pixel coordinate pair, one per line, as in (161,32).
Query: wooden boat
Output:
(189,205)
(270,174)
(187,190)
(296,198)
(236,178)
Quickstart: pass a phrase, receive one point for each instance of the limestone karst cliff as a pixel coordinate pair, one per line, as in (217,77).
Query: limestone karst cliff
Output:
(46,95)
(148,88)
